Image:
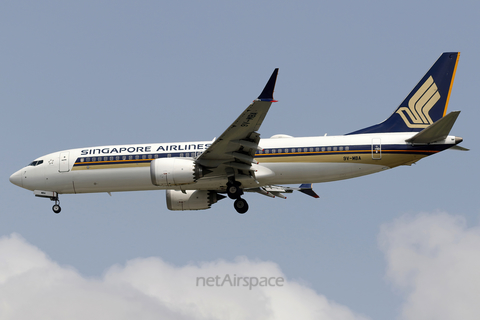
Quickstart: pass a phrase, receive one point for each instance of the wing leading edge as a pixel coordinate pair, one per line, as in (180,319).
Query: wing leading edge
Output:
(232,154)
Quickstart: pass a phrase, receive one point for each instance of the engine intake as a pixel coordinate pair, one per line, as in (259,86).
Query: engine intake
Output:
(174,171)
(191,199)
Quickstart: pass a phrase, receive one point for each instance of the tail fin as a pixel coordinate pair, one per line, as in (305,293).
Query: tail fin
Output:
(427,102)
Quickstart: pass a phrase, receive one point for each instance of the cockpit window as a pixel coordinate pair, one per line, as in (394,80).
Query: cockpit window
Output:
(36,163)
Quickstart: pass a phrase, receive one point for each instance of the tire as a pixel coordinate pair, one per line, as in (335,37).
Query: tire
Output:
(56,208)
(240,205)
(234,191)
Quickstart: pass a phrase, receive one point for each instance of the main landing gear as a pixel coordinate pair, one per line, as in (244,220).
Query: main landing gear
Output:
(240,205)
(234,191)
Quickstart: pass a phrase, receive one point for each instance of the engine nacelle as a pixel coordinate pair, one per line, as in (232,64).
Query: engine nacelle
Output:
(191,199)
(174,171)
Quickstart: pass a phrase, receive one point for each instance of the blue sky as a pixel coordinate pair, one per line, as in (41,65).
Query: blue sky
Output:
(103,73)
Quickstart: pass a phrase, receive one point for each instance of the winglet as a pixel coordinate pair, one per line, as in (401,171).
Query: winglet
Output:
(267,93)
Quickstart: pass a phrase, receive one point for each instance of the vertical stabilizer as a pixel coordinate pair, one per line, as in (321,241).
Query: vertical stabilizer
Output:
(428,101)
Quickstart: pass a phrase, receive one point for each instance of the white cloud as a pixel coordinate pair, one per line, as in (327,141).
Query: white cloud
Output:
(32,286)
(435,260)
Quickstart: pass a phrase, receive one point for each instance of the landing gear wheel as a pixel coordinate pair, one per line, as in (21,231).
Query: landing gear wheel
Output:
(56,208)
(240,205)
(233,190)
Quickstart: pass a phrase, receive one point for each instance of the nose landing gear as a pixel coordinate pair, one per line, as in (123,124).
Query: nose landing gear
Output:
(52,195)
(56,207)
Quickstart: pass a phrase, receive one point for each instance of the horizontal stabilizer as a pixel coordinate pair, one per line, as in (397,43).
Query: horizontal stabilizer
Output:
(437,131)
(459,148)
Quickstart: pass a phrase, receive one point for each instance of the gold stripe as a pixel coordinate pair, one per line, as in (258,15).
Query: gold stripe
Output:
(388,159)
(451,85)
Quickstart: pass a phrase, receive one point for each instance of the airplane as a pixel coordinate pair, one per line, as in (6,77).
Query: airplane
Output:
(197,174)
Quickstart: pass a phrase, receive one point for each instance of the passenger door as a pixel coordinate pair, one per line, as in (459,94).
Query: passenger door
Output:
(64,164)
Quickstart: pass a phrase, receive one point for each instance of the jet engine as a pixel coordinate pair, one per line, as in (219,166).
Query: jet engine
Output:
(191,199)
(174,171)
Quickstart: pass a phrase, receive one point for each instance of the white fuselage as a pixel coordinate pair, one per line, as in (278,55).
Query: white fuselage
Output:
(284,160)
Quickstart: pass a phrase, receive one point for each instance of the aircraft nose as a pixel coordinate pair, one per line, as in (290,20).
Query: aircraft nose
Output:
(16,178)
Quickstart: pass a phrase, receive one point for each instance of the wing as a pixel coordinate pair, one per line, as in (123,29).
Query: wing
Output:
(233,152)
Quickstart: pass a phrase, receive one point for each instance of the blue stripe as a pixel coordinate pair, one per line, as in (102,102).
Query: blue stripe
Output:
(266,153)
